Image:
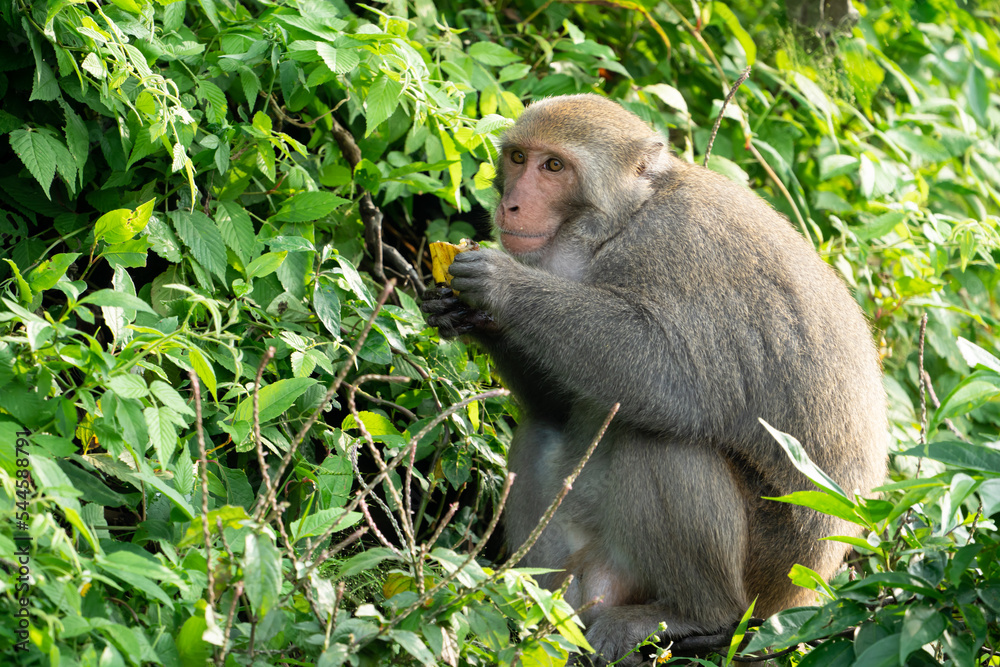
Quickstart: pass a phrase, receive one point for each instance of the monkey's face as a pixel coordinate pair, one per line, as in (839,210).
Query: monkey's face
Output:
(538,182)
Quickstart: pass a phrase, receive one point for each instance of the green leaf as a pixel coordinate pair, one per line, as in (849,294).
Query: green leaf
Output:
(340,61)
(922,147)
(109,297)
(976,356)
(820,501)
(262,572)
(883,653)
(780,628)
(326,302)
(169,397)
(836,652)
(167,490)
(161,433)
(204,370)
(366,560)
(978,389)
(265,265)
(489,53)
(122,224)
(217,107)
(383,98)
(199,233)
(48,273)
(879,227)
(413,645)
(742,36)
(978,94)
(489,626)
(375,423)
(960,454)
(308,206)
(740,633)
(800,459)
(37,155)
(128,385)
(274,399)
(318,523)
(236,228)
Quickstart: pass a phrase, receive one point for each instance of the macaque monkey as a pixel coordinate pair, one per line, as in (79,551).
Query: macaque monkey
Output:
(631,276)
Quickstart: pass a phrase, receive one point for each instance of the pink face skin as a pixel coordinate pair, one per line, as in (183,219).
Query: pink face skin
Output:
(536,180)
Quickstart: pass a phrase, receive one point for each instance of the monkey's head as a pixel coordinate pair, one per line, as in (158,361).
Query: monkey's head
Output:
(574,159)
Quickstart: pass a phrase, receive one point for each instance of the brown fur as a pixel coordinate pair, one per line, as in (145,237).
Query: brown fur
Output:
(692,302)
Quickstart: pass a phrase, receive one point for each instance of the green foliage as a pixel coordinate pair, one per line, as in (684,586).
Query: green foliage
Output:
(184,206)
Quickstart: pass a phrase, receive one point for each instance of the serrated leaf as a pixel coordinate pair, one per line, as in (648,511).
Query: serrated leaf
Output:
(169,397)
(36,154)
(128,385)
(216,99)
(94,66)
(199,233)
(236,228)
(340,61)
(490,124)
(383,98)
(308,206)
(251,85)
(161,433)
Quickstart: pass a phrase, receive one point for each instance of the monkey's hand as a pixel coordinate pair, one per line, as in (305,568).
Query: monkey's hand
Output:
(452,317)
(480,277)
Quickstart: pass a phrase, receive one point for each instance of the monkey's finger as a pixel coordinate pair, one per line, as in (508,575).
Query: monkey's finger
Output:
(441,292)
(439,306)
(468,264)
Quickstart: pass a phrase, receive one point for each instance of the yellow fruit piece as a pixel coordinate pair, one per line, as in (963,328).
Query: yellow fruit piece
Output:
(443,254)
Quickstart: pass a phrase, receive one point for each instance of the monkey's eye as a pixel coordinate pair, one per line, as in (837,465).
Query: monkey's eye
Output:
(554,164)
(517,157)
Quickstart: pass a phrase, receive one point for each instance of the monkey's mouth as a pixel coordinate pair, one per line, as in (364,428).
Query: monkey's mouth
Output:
(521,235)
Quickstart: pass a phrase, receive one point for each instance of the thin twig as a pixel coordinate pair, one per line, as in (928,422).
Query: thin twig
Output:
(264,503)
(923,382)
(718,120)
(451,576)
(265,360)
(949,424)
(203,464)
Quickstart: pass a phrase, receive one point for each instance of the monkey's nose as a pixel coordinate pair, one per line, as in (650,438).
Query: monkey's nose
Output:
(513,209)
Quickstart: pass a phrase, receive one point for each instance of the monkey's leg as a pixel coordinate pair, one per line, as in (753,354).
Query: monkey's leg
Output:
(533,451)
(672,549)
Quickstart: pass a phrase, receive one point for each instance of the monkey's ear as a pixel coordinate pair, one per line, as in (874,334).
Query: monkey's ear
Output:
(653,158)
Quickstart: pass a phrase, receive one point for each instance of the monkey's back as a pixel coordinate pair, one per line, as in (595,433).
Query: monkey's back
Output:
(767,330)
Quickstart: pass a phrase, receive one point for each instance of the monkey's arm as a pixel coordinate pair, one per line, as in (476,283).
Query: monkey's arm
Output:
(596,343)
